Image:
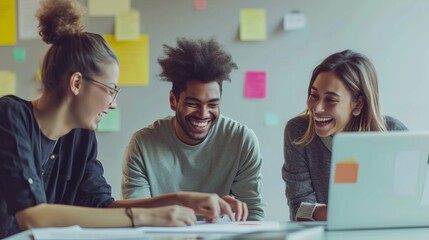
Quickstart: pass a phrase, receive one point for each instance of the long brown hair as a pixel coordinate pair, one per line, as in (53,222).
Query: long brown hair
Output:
(359,76)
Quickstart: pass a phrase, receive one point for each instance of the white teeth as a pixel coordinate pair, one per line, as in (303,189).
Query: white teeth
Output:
(200,124)
(102,114)
(322,119)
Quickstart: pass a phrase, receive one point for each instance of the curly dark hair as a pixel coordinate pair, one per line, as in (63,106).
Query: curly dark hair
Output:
(201,60)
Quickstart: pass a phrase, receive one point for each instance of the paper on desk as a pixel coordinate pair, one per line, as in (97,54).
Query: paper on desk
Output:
(76,232)
(221,227)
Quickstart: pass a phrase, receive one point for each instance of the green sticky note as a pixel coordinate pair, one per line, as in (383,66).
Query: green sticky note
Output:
(111,122)
(272,119)
(19,54)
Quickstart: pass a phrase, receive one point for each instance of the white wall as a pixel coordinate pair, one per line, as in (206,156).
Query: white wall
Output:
(393,33)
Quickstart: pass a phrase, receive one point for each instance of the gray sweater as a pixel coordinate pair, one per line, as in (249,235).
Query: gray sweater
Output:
(306,168)
(227,162)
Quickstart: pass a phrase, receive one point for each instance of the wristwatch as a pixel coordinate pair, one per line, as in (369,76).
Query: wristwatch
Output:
(306,210)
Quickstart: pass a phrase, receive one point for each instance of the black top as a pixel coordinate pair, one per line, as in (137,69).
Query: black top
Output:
(34,169)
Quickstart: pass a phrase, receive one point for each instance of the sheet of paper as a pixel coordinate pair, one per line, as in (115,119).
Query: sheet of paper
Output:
(111,122)
(405,172)
(27,20)
(19,54)
(7,83)
(76,232)
(294,21)
(255,85)
(222,227)
(272,119)
(7,22)
(346,171)
(133,60)
(127,25)
(253,24)
(425,194)
(107,7)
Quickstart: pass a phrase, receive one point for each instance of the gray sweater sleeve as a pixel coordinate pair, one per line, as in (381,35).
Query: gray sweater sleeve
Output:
(135,183)
(295,171)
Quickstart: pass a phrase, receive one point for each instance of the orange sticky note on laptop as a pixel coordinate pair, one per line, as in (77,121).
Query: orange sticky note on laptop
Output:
(346,171)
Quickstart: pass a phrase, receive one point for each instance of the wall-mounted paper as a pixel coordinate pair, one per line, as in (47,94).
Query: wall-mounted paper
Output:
(255,85)
(27,20)
(253,24)
(294,21)
(7,83)
(272,119)
(107,7)
(127,25)
(405,172)
(19,54)
(111,122)
(133,60)
(200,4)
(7,22)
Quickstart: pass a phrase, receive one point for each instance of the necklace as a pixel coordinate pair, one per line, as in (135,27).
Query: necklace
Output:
(44,161)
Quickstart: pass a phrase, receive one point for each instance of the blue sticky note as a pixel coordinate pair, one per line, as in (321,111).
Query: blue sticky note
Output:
(19,54)
(272,119)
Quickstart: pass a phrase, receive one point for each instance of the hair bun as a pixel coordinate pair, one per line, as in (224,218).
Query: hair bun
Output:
(58,18)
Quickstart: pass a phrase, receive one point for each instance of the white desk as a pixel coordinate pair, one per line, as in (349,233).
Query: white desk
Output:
(376,234)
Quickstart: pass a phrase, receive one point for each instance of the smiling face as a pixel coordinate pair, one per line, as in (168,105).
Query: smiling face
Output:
(96,97)
(331,104)
(197,110)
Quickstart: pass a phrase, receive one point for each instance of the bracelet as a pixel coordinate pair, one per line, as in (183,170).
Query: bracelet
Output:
(130,214)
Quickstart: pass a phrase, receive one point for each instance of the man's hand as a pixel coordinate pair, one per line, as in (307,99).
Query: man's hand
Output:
(207,205)
(237,206)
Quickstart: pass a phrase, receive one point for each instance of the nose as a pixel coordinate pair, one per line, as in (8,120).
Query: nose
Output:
(113,105)
(318,106)
(203,112)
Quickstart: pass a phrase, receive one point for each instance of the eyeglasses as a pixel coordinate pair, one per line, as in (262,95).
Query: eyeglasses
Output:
(113,92)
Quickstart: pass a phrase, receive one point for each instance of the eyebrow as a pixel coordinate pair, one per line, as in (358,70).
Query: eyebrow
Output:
(198,100)
(328,93)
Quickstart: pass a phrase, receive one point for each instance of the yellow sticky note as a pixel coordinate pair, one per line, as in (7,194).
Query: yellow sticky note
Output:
(7,83)
(111,122)
(346,171)
(39,75)
(127,25)
(7,22)
(133,59)
(107,7)
(253,24)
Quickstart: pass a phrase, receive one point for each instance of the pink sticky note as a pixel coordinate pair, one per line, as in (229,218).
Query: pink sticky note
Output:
(255,85)
(200,4)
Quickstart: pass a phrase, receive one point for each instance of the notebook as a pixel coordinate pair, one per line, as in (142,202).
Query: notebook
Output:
(379,180)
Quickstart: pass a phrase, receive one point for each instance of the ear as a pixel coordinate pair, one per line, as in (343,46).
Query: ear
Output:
(359,104)
(75,82)
(172,101)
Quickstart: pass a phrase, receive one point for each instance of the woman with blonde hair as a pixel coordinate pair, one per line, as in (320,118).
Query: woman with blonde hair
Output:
(342,96)
(49,172)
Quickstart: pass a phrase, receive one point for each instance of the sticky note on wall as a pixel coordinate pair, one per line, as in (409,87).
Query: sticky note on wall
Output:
(7,22)
(294,21)
(255,85)
(346,172)
(253,24)
(7,83)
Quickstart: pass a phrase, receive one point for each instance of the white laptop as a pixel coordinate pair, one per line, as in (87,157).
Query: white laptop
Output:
(379,180)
